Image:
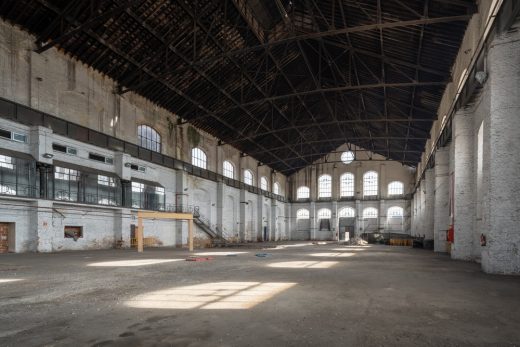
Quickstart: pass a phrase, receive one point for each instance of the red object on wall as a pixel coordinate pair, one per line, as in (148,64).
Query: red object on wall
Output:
(450,235)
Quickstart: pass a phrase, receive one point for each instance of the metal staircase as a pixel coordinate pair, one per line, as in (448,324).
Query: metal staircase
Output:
(217,239)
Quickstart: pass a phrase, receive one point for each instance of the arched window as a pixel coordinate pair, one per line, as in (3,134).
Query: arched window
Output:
(149,138)
(248,177)
(394,212)
(324,213)
(263,183)
(303,192)
(276,188)
(228,170)
(396,188)
(324,186)
(198,158)
(302,214)
(370,212)
(346,212)
(370,183)
(346,185)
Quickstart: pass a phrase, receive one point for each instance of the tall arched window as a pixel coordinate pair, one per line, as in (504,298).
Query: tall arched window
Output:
(394,212)
(303,192)
(248,177)
(370,183)
(263,183)
(346,212)
(324,186)
(228,170)
(198,158)
(302,214)
(370,212)
(396,188)
(346,185)
(324,213)
(149,138)
(276,188)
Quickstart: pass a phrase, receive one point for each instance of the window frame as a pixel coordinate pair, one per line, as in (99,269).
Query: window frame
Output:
(264,184)
(305,216)
(370,188)
(370,216)
(149,138)
(344,215)
(401,192)
(276,188)
(228,169)
(248,177)
(299,190)
(324,189)
(389,215)
(344,185)
(199,158)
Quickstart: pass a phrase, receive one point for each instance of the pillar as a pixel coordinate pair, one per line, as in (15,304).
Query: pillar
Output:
(441,220)
(429,203)
(334,221)
(312,216)
(181,202)
(43,223)
(501,254)
(464,197)
(242,218)
(220,207)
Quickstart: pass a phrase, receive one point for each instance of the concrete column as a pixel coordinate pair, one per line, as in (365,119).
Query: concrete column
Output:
(242,217)
(383,184)
(429,203)
(259,217)
(420,214)
(334,220)
(359,219)
(464,197)
(181,199)
(42,222)
(381,216)
(220,207)
(502,251)
(273,232)
(313,220)
(122,226)
(441,220)
(314,185)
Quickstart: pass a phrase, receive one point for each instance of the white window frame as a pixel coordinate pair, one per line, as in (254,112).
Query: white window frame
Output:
(324,213)
(264,184)
(368,213)
(347,212)
(228,169)
(199,158)
(391,214)
(370,183)
(325,186)
(303,213)
(395,188)
(276,188)
(149,138)
(303,192)
(248,177)
(347,185)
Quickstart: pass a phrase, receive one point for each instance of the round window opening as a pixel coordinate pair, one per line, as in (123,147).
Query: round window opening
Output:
(347,157)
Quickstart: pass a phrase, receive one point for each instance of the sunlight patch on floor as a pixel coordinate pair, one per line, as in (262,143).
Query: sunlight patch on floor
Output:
(349,249)
(133,262)
(210,296)
(304,264)
(7,280)
(218,253)
(330,254)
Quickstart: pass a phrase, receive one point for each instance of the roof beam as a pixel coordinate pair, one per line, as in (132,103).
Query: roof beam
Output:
(346,88)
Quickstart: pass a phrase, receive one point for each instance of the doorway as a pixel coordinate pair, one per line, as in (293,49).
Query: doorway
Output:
(6,237)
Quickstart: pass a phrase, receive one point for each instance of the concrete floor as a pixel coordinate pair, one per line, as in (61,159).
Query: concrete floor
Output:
(309,295)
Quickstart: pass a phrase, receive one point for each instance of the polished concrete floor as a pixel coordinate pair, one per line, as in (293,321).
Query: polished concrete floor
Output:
(300,294)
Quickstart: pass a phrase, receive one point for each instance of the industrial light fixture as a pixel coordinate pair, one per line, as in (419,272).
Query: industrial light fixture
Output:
(48,155)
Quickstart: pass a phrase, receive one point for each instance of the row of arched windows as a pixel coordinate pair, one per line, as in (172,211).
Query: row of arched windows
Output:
(347,186)
(199,159)
(349,212)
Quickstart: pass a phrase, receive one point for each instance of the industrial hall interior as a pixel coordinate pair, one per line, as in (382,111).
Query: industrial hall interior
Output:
(260,172)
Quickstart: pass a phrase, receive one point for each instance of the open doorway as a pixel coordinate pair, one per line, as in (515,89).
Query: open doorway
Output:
(7,239)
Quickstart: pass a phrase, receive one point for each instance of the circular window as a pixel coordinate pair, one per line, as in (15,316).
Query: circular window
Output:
(347,157)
